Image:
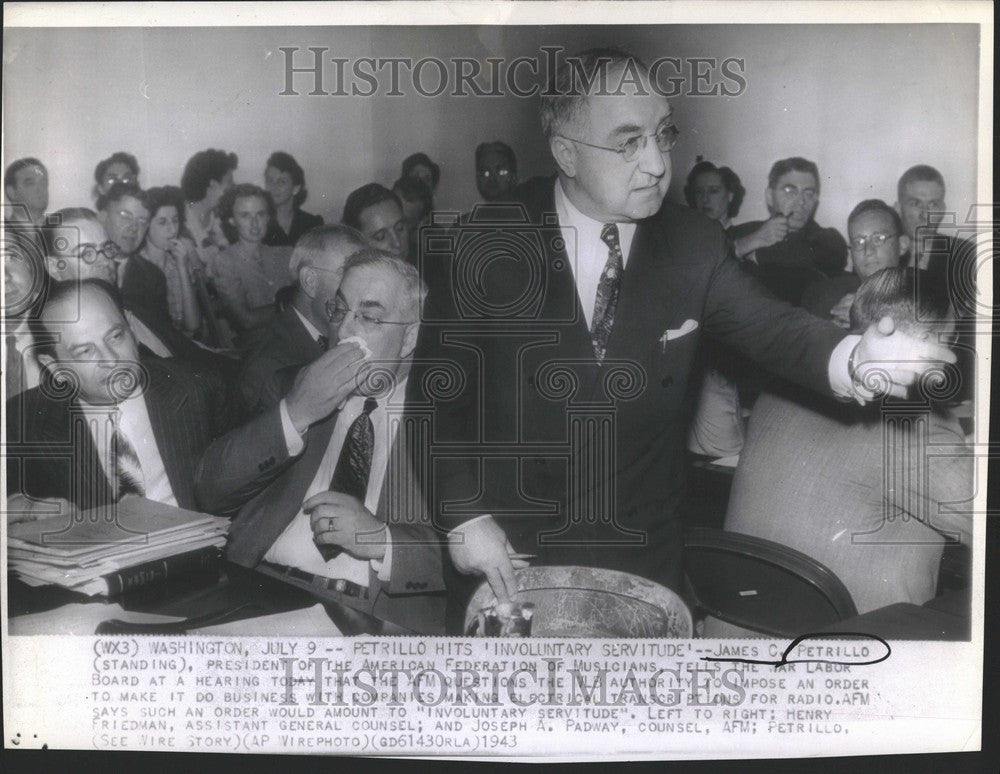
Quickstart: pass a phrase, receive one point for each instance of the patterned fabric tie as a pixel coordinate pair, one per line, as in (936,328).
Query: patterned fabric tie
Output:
(324,342)
(353,465)
(607,292)
(128,471)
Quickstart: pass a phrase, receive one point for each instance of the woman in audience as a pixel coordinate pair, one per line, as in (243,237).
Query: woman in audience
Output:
(421,167)
(285,180)
(714,191)
(208,174)
(859,489)
(120,167)
(248,273)
(174,254)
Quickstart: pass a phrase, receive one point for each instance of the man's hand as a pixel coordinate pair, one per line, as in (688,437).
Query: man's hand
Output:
(342,520)
(323,385)
(20,508)
(482,548)
(841,311)
(888,361)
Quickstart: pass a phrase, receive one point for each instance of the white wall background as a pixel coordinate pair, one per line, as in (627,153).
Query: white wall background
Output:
(864,101)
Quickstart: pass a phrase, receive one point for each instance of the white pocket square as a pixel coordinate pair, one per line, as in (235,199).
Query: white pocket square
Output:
(675,333)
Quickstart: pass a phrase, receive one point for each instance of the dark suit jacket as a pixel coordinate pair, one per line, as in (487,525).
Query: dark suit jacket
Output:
(285,344)
(252,464)
(813,245)
(51,453)
(301,223)
(586,463)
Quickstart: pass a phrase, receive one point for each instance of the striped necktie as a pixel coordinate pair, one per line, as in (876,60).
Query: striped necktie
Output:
(607,292)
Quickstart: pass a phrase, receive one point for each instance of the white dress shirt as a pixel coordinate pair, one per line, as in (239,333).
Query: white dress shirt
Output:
(133,422)
(295,546)
(311,329)
(588,253)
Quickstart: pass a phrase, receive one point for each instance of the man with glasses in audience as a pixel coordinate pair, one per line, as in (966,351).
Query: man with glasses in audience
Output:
(791,237)
(336,506)
(119,167)
(876,240)
(578,352)
(496,170)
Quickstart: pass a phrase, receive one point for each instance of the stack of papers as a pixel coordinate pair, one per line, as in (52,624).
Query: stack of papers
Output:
(93,552)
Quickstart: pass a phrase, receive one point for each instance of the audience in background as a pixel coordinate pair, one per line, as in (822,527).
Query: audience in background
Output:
(791,237)
(298,333)
(417,202)
(207,176)
(285,181)
(376,212)
(876,239)
(248,273)
(119,167)
(850,486)
(420,166)
(175,255)
(496,170)
(715,192)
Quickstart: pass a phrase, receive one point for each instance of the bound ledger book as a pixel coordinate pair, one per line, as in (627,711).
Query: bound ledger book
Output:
(109,551)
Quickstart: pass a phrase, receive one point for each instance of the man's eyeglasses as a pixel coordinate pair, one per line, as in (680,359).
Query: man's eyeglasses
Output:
(89,253)
(793,191)
(131,219)
(336,313)
(860,244)
(110,180)
(665,136)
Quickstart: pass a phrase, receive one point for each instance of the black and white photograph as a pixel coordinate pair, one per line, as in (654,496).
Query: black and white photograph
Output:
(497,379)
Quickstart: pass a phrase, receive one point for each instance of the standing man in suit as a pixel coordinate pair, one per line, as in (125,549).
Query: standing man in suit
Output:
(334,505)
(298,334)
(109,421)
(584,346)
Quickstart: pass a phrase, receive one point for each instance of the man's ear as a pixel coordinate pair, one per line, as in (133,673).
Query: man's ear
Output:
(769,199)
(904,244)
(45,360)
(9,192)
(308,280)
(52,266)
(565,155)
(409,340)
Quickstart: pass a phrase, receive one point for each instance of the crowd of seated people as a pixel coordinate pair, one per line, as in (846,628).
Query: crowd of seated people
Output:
(257,318)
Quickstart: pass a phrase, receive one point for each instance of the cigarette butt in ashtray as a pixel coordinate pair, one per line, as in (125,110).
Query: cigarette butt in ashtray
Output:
(365,350)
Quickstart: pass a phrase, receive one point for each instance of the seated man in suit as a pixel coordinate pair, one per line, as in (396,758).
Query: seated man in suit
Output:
(297,335)
(115,422)
(885,505)
(791,237)
(377,213)
(876,239)
(327,468)
(77,247)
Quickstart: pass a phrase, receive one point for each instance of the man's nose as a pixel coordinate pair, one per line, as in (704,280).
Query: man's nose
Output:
(651,159)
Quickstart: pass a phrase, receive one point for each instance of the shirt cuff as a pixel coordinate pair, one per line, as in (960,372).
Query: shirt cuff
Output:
(465,524)
(383,566)
(840,377)
(293,441)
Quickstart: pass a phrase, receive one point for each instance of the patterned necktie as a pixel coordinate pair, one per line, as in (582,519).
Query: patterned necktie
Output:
(128,471)
(607,292)
(324,342)
(354,464)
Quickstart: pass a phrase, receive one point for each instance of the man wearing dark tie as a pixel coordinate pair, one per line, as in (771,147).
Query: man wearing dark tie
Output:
(105,422)
(584,346)
(335,505)
(298,334)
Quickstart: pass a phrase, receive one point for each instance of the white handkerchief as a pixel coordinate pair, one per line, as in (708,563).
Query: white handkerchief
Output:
(675,333)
